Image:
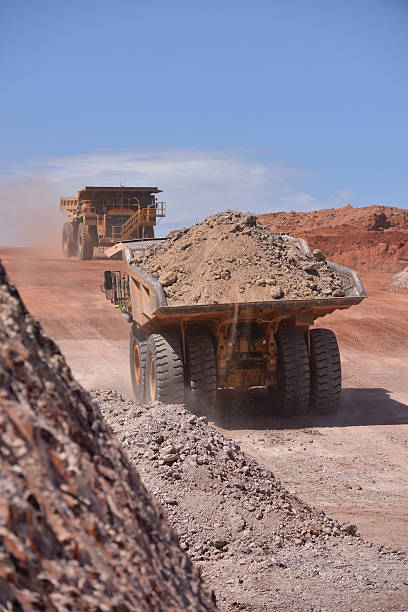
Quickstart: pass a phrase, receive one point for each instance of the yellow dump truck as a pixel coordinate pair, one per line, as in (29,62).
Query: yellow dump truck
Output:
(184,354)
(102,216)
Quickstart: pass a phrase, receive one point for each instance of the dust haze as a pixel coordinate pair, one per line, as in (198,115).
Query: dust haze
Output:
(196,183)
(30,213)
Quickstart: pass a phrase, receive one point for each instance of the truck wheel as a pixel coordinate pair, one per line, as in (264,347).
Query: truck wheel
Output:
(68,241)
(164,379)
(293,372)
(137,359)
(85,243)
(325,371)
(201,368)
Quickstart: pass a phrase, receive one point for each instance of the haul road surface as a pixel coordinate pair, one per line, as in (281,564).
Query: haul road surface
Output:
(353,465)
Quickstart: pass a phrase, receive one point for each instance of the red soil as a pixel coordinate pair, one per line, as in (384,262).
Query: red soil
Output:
(369,238)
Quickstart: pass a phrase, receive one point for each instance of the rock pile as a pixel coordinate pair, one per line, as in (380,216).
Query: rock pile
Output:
(400,282)
(232,257)
(184,449)
(258,545)
(78,530)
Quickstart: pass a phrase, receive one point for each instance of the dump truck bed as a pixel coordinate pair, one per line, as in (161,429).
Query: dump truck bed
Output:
(147,293)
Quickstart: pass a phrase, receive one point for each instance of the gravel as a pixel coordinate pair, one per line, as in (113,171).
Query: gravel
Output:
(259,547)
(399,282)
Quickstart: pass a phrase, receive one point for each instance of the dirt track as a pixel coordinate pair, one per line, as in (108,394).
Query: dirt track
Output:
(353,465)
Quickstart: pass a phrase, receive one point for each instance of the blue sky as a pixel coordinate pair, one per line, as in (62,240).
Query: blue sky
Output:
(310,97)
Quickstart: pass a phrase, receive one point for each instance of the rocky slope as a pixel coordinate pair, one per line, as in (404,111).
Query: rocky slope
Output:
(369,238)
(370,218)
(78,530)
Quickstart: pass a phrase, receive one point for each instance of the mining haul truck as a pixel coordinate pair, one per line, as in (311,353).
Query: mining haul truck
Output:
(184,354)
(103,216)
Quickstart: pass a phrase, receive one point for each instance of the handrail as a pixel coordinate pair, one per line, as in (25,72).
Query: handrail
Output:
(143,215)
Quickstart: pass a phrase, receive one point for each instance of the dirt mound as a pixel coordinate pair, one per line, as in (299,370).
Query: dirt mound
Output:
(260,547)
(232,257)
(369,238)
(78,530)
(400,282)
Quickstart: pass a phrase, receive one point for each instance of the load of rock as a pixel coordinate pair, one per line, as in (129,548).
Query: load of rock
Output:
(233,257)
(78,530)
(259,546)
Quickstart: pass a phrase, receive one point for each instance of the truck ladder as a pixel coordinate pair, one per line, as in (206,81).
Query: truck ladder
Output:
(143,216)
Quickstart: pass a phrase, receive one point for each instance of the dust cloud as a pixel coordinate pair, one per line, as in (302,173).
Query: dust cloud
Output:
(30,216)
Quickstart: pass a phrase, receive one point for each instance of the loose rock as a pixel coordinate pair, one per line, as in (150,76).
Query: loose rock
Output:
(233,516)
(233,257)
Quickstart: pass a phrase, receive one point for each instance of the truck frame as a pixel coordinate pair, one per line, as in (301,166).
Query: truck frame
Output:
(184,354)
(102,216)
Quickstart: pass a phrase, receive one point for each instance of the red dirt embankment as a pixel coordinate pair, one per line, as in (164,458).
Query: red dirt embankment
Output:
(370,238)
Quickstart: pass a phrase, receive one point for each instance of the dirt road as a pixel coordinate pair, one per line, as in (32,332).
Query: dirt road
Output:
(66,298)
(353,465)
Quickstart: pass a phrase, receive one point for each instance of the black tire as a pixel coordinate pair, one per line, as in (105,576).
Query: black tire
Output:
(164,380)
(85,243)
(68,240)
(201,387)
(137,361)
(293,372)
(148,232)
(325,372)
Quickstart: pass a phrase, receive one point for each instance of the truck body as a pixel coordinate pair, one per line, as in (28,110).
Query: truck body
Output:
(184,354)
(102,216)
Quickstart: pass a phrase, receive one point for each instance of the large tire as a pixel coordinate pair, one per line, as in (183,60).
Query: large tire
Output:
(201,388)
(325,371)
(293,372)
(68,240)
(137,360)
(164,379)
(85,243)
